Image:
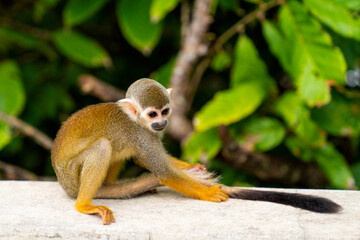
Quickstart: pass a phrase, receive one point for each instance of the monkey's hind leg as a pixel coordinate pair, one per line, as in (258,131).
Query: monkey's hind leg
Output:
(129,188)
(96,160)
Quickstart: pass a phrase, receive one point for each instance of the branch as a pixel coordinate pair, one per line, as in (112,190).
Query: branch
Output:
(270,168)
(28,130)
(185,19)
(191,51)
(97,88)
(11,172)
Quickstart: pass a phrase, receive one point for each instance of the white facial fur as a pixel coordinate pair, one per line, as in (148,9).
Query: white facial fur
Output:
(156,119)
(152,118)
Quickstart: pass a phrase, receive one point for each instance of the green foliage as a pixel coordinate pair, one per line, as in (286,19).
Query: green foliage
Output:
(313,111)
(200,143)
(81,49)
(78,11)
(221,61)
(341,117)
(336,16)
(264,133)
(231,111)
(164,73)
(13,37)
(308,56)
(12,96)
(247,81)
(279,84)
(135,23)
(160,8)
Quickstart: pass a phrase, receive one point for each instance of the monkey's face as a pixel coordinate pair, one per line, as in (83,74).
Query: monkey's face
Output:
(156,119)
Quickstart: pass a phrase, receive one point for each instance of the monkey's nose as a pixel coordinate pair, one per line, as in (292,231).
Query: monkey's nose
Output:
(159,126)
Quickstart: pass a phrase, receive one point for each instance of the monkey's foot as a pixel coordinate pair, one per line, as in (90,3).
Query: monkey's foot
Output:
(214,194)
(105,213)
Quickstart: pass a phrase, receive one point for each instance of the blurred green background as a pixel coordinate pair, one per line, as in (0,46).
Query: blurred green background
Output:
(282,76)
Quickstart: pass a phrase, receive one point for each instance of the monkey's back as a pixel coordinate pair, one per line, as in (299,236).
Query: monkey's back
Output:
(86,126)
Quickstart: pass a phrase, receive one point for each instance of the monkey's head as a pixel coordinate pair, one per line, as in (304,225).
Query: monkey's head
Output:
(148,103)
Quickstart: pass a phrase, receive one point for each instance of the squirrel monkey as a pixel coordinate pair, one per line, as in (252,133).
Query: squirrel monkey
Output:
(94,143)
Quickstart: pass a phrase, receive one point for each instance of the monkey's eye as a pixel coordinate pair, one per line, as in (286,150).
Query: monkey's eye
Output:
(152,114)
(165,111)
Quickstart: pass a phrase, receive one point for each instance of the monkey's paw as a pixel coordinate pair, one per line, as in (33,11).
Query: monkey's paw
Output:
(106,214)
(214,194)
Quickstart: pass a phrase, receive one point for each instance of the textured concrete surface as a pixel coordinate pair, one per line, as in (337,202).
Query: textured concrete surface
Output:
(42,210)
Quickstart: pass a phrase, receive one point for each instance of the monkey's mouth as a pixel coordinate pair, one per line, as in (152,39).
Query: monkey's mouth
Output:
(159,126)
(159,129)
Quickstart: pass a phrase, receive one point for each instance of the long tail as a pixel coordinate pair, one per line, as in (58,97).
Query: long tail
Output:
(307,202)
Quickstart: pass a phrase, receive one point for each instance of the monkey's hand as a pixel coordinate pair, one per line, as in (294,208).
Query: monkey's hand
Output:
(197,167)
(105,213)
(213,194)
(184,165)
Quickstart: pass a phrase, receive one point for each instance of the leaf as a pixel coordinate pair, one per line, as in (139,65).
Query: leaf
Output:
(329,159)
(81,49)
(18,38)
(134,21)
(312,88)
(355,169)
(341,117)
(78,11)
(349,47)
(336,16)
(297,116)
(26,41)
(12,94)
(278,44)
(250,84)
(221,61)
(266,133)
(291,108)
(230,105)
(160,8)
(299,148)
(312,57)
(349,4)
(248,65)
(199,143)
(311,43)
(334,166)
(5,134)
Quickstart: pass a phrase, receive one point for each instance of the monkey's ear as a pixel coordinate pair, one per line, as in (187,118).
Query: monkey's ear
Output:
(130,107)
(169,90)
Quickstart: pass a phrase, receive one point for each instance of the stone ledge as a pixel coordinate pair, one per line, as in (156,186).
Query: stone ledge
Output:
(42,210)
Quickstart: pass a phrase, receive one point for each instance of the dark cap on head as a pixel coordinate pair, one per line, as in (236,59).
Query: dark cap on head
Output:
(148,93)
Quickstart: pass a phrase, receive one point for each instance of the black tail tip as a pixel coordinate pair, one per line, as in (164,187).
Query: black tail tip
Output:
(306,202)
(323,205)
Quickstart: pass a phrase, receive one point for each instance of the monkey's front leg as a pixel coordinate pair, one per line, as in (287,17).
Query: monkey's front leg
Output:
(182,183)
(168,174)
(96,161)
